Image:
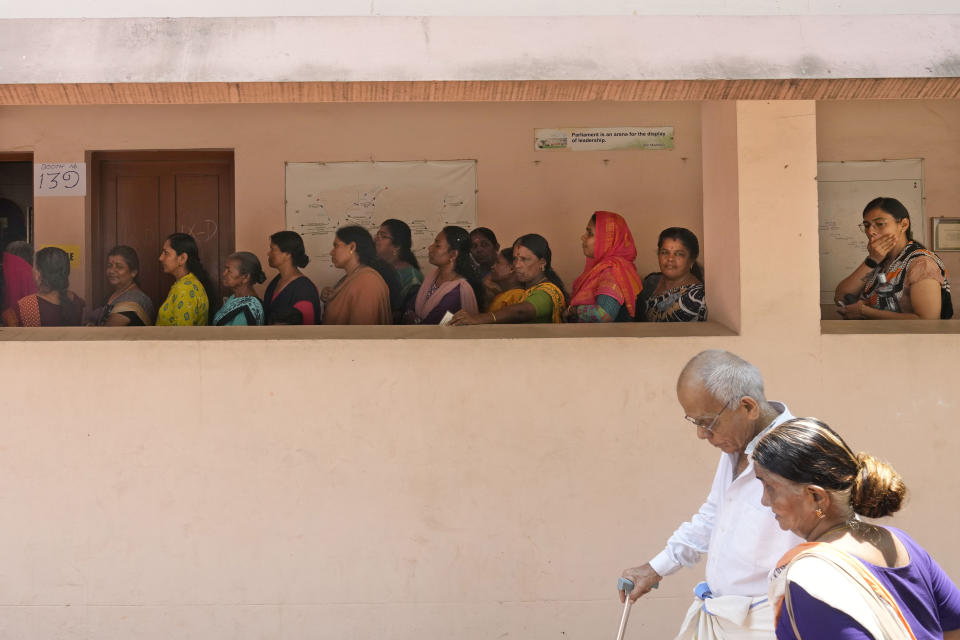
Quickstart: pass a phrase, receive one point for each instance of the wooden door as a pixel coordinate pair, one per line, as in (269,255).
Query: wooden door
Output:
(142,197)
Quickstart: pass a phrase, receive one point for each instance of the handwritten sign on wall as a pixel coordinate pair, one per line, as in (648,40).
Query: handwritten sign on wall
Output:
(427,195)
(60,179)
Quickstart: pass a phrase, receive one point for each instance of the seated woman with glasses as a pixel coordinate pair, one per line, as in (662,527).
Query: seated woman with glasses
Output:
(899,279)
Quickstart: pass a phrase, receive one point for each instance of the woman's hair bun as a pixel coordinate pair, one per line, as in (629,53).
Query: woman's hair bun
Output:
(878,490)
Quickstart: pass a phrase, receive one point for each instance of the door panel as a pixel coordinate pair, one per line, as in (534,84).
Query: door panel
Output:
(145,196)
(198,196)
(136,223)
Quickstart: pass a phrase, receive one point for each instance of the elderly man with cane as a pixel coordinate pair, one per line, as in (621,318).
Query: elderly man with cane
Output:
(722,395)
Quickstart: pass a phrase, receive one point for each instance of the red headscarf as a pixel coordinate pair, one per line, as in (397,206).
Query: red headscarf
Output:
(611,271)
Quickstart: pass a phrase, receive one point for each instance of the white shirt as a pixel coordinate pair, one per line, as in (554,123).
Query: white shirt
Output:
(740,536)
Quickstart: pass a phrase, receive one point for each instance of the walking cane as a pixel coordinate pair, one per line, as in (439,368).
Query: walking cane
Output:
(626,586)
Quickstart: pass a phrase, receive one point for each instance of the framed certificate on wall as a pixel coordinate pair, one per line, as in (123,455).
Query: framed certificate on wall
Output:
(946,234)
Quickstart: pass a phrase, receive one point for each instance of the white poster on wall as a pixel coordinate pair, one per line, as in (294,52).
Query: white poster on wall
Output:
(427,195)
(60,179)
(603,139)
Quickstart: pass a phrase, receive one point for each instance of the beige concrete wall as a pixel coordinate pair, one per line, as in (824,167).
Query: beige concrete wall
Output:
(473,488)
(520,190)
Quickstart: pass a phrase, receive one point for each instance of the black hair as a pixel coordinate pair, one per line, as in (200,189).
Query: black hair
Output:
(249,266)
(539,246)
(361,238)
(291,242)
(21,249)
(53,264)
(807,451)
(892,206)
(488,234)
(689,241)
(129,255)
(507,255)
(402,239)
(183,243)
(458,239)
(367,255)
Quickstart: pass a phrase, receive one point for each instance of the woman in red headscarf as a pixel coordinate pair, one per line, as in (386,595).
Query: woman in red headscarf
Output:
(607,289)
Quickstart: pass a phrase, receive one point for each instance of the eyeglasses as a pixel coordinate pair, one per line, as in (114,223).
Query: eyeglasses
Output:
(866,226)
(706,427)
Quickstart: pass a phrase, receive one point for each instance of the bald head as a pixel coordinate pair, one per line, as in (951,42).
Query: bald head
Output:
(724,375)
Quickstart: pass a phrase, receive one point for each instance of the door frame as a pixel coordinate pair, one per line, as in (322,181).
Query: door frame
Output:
(227,231)
(23,156)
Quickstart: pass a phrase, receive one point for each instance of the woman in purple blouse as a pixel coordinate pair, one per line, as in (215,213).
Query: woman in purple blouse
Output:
(454,284)
(851,580)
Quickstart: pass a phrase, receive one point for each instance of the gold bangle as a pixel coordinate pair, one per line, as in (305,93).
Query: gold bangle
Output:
(494,316)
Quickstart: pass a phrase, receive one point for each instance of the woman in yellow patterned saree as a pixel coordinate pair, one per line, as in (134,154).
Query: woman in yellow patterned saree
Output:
(542,298)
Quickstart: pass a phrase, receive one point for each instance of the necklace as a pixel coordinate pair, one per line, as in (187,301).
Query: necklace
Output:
(664,286)
(839,527)
(117,294)
(534,283)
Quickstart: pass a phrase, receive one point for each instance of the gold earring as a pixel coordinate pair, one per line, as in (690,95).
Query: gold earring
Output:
(819,513)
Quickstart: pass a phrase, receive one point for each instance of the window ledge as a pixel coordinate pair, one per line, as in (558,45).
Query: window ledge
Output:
(481,332)
(885,327)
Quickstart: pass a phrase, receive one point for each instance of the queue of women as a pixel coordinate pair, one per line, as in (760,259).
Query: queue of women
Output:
(471,280)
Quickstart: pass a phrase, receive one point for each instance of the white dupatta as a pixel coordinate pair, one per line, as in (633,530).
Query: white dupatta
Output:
(841,581)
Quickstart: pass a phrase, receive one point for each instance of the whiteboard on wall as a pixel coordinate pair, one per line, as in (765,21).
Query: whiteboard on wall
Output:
(844,189)
(428,195)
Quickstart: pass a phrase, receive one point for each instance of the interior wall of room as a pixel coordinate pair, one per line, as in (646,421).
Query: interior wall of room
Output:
(520,190)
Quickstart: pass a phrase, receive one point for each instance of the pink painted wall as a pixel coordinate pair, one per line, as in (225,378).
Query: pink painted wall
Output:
(181,483)
(521,190)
